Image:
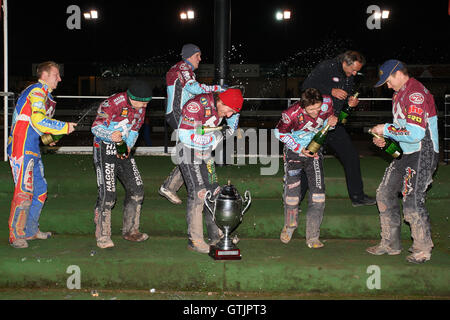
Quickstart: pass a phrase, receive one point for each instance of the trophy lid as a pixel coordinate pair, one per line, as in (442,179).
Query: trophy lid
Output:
(229,191)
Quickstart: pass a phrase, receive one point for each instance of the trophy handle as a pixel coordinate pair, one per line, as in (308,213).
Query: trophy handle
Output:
(208,199)
(248,200)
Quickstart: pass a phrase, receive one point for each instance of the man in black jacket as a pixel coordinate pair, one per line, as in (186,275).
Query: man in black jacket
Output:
(335,77)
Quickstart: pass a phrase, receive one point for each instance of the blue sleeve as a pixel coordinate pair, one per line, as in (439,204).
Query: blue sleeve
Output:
(131,139)
(409,133)
(296,140)
(233,122)
(102,132)
(195,88)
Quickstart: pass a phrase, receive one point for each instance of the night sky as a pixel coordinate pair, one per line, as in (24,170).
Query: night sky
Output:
(141,30)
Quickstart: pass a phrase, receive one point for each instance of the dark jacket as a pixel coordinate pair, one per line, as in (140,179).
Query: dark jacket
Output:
(328,75)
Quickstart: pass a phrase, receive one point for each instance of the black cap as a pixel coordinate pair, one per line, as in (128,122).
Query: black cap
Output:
(139,91)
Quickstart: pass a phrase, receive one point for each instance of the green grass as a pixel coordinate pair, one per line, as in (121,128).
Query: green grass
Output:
(268,269)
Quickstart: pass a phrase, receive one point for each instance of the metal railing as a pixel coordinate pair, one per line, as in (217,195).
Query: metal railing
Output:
(256,109)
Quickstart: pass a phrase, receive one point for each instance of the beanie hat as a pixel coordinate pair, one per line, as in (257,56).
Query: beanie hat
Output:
(232,98)
(189,50)
(139,91)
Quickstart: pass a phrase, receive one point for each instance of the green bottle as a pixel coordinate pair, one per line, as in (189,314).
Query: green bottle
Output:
(392,147)
(318,140)
(203,130)
(345,112)
(122,148)
(49,138)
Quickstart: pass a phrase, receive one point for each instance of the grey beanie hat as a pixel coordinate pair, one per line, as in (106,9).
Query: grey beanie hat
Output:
(189,50)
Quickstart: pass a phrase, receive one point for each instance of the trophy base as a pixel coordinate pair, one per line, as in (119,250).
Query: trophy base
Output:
(221,254)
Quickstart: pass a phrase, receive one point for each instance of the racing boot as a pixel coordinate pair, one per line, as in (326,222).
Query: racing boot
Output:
(214,233)
(383,248)
(314,243)
(20,244)
(169,195)
(286,234)
(171,185)
(194,219)
(390,240)
(198,246)
(419,257)
(290,219)
(40,235)
(105,242)
(135,236)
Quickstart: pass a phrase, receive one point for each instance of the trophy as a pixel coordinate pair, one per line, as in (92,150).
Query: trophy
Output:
(227,209)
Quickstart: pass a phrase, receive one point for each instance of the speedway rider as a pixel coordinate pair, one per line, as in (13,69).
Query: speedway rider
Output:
(119,118)
(298,125)
(197,165)
(31,119)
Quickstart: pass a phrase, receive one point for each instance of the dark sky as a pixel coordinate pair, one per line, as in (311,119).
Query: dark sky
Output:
(138,30)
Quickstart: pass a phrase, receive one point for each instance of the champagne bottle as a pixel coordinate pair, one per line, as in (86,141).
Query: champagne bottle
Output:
(49,138)
(203,130)
(345,112)
(391,147)
(318,140)
(122,148)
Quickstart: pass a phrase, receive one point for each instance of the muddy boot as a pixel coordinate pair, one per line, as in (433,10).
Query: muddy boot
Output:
(314,243)
(40,235)
(390,241)
(383,248)
(135,236)
(171,185)
(20,244)
(286,234)
(105,242)
(419,257)
(214,233)
(169,195)
(198,246)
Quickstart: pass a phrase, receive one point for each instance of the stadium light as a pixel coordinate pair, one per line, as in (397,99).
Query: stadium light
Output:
(279,16)
(382,15)
(286,15)
(283,15)
(187,15)
(93,14)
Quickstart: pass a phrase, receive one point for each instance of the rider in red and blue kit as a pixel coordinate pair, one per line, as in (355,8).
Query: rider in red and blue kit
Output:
(196,161)
(31,119)
(297,127)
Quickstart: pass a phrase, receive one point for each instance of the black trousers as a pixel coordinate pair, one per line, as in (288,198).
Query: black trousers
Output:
(339,140)
(109,168)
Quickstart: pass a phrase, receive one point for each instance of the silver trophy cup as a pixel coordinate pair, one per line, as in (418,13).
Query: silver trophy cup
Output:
(227,209)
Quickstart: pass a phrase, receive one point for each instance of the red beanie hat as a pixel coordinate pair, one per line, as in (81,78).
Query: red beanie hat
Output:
(232,98)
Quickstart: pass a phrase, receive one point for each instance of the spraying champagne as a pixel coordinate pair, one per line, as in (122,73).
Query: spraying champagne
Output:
(391,147)
(318,140)
(48,138)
